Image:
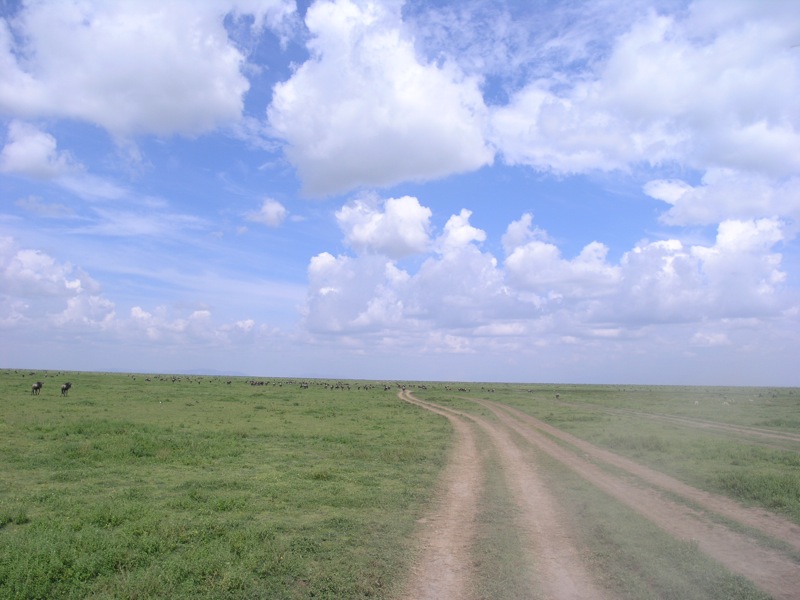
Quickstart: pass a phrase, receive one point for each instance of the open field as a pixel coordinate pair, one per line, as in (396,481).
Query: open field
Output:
(141,487)
(147,486)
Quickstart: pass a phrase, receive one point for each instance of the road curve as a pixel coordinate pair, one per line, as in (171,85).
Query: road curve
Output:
(552,550)
(447,533)
(556,568)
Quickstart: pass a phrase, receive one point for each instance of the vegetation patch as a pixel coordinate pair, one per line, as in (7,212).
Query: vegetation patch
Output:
(151,486)
(751,467)
(501,564)
(778,490)
(632,557)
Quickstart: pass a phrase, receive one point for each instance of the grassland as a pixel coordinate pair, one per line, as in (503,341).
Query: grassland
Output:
(144,486)
(740,442)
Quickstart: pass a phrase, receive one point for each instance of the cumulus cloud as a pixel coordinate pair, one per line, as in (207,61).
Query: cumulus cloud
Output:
(533,264)
(697,89)
(396,227)
(37,289)
(365,111)
(87,310)
(738,276)
(32,152)
(461,288)
(30,273)
(132,67)
(369,291)
(40,293)
(170,326)
(521,232)
(353,294)
(726,194)
(459,233)
(272,213)
(538,266)
(709,92)
(536,291)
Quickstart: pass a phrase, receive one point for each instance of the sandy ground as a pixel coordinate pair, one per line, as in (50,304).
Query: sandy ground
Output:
(552,549)
(447,534)
(444,572)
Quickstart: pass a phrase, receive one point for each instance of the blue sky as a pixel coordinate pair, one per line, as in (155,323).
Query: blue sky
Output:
(586,192)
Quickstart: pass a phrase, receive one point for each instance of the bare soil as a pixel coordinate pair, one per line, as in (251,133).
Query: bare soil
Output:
(728,532)
(557,572)
(447,533)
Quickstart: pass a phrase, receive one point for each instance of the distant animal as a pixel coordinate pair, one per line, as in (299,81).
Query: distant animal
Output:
(36,388)
(65,388)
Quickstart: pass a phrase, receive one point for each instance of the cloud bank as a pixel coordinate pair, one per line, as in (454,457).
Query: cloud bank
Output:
(365,111)
(685,107)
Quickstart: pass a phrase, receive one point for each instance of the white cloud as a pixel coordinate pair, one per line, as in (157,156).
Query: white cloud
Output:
(30,273)
(538,266)
(537,292)
(32,152)
(364,111)
(457,284)
(703,92)
(726,194)
(460,288)
(400,229)
(739,276)
(87,310)
(272,213)
(521,232)
(39,291)
(352,294)
(172,327)
(135,66)
(458,233)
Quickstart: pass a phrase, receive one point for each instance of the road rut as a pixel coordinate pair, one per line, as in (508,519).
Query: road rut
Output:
(557,570)
(553,551)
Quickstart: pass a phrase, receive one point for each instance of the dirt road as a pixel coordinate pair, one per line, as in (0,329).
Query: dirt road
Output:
(731,534)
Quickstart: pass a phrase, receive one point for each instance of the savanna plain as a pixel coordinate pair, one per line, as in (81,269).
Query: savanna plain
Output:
(162,486)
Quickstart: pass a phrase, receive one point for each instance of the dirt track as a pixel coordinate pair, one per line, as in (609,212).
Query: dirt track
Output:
(552,549)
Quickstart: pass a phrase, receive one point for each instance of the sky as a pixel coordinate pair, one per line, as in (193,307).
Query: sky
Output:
(524,191)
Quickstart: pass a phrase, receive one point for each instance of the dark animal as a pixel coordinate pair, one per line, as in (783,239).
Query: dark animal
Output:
(65,388)
(36,388)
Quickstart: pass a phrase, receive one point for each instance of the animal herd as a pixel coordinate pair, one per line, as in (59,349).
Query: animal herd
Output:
(37,387)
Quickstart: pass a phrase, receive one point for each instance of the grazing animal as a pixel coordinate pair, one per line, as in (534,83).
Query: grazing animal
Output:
(36,388)
(65,388)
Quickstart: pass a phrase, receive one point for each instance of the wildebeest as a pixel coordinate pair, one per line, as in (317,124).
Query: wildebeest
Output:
(65,388)
(36,388)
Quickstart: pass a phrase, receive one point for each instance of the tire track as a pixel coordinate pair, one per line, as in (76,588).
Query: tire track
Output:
(768,523)
(557,569)
(771,570)
(449,532)
(697,423)
(724,427)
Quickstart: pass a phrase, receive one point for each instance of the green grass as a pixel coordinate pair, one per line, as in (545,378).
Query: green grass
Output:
(501,563)
(755,470)
(203,489)
(634,558)
(198,488)
(629,556)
